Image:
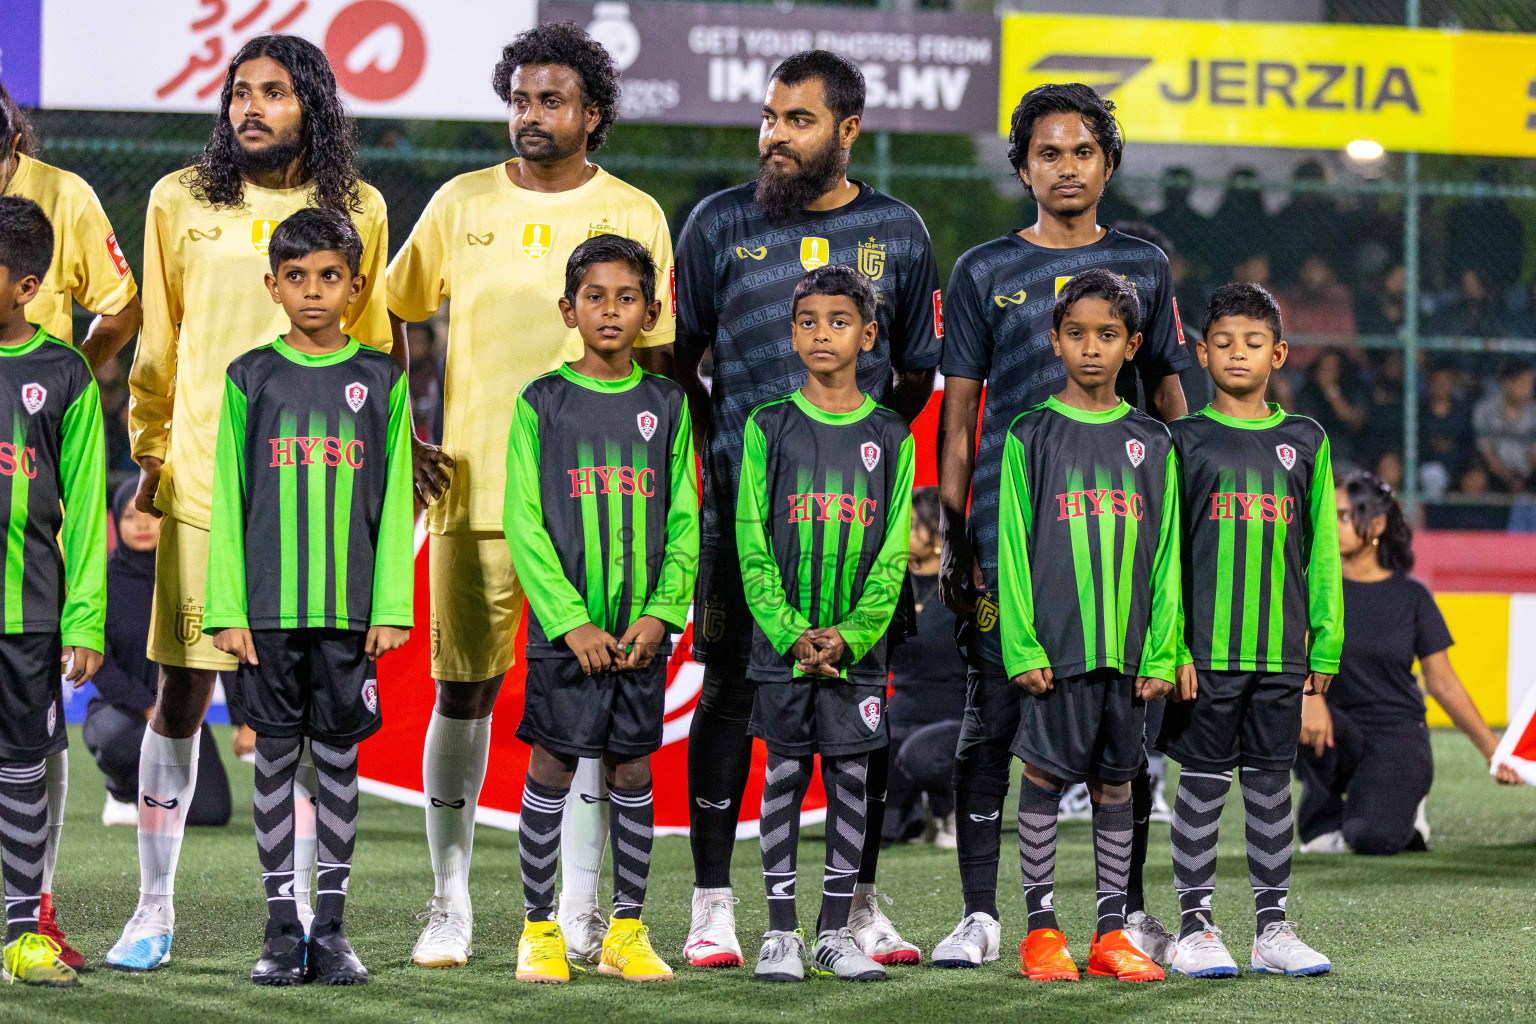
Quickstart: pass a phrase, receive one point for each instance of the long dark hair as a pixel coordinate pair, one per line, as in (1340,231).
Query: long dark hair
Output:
(1369,497)
(327,136)
(13,122)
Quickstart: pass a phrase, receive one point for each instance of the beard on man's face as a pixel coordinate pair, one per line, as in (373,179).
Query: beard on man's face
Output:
(809,176)
(538,145)
(271,153)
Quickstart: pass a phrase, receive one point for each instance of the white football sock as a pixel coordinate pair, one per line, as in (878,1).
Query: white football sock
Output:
(583,835)
(167,778)
(305,789)
(452,771)
(56,778)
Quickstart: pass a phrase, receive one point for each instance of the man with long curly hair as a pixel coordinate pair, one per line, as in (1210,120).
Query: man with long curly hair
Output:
(281,141)
(497,240)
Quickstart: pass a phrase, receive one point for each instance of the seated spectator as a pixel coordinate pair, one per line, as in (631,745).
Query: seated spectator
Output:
(1365,760)
(1485,235)
(116,717)
(1471,507)
(1252,269)
(1446,442)
(1241,225)
(1317,305)
(1382,308)
(1334,397)
(927,696)
(1474,314)
(1311,222)
(1189,229)
(1383,430)
(1505,427)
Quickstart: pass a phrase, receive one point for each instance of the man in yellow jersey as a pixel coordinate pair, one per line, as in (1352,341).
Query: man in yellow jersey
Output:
(496,242)
(88,268)
(281,141)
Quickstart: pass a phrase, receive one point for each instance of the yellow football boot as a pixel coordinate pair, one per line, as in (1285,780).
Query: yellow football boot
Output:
(33,959)
(541,954)
(627,952)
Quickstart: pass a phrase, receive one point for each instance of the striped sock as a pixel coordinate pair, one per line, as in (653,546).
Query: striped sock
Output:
(1037,852)
(844,779)
(538,846)
(277,759)
(335,827)
(631,830)
(23,838)
(1267,801)
(1112,829)
(784,787)
(1196,823)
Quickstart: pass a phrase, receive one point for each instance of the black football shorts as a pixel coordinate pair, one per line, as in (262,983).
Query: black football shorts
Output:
(569,712)
(1086,726)
(830,717)
(318,683)
(1252,719)
(31,697)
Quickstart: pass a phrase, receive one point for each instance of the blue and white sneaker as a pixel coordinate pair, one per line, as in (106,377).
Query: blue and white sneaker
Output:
(146,941)
(1277,950)
(1203,955)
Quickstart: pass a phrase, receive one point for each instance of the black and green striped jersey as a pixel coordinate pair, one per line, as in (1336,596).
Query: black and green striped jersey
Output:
(823,524)
(602,504)
(55,559)
(312,522)
(1262,590)
(1088,543)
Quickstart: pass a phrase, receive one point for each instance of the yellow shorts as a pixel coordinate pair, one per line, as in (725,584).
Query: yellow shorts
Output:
(176,634)
(477,603)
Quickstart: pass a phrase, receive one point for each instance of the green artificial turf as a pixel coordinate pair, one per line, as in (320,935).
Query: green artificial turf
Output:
(1446,935)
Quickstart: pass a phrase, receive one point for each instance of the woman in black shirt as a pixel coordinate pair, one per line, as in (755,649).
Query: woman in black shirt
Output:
(1365,762)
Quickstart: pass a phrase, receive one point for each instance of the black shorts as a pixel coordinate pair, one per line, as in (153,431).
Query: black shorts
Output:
(318,683)
(569,712)
(31,697)
(1087,726)
(1252,719)
(992,707)
(830,717)
(722,627)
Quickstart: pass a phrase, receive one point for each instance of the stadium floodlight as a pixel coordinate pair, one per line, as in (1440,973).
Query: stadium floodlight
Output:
(1365,151)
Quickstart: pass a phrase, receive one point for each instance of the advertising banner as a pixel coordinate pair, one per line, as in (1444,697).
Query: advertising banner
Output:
(1270,84)
(709,63)
(401,58)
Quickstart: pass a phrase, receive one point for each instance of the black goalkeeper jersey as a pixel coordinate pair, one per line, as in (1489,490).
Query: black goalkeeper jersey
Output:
(601,507)
(1262,578)
(998,330)
(736,277)
(1088,553)
(823,522)
(312,521)
(52,493)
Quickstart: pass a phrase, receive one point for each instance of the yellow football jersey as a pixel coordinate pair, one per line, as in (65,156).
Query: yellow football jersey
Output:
(87,266)
(205,304)
(498,253)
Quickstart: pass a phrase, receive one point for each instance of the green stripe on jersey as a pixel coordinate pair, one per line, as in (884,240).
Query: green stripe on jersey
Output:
(1082,569)
(288,513)
(16,532)
(614,588)
(314,493)
(640,585)
(826,565)
(1221,612)
(591,538)
(855,545)
(341,518)
(1274,646)
(1127,559)
(807,542)
(1102,481)
(1253,562)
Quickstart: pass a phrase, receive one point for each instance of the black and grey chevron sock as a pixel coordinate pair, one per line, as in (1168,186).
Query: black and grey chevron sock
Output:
(23,839)
(1112,861)
(277,760)
(844,779)
(1037,851)
(1267,801)
(1196,824)
(538,846)
(631,831)
(335,826)
(784,788)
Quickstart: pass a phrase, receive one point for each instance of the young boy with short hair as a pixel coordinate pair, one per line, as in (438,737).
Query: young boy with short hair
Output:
(823,524)
(1088,575)
(54,599)
(602,517)
(310,571)
(1264,622)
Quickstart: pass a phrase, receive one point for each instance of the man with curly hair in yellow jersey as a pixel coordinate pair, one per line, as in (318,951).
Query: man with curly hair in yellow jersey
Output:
(281,141)
(495,242)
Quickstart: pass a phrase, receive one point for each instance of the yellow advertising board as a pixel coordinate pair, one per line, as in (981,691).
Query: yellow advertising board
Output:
(1274,84)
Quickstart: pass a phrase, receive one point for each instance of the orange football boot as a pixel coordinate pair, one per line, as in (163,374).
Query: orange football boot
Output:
(1114,955)
(1045,956)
